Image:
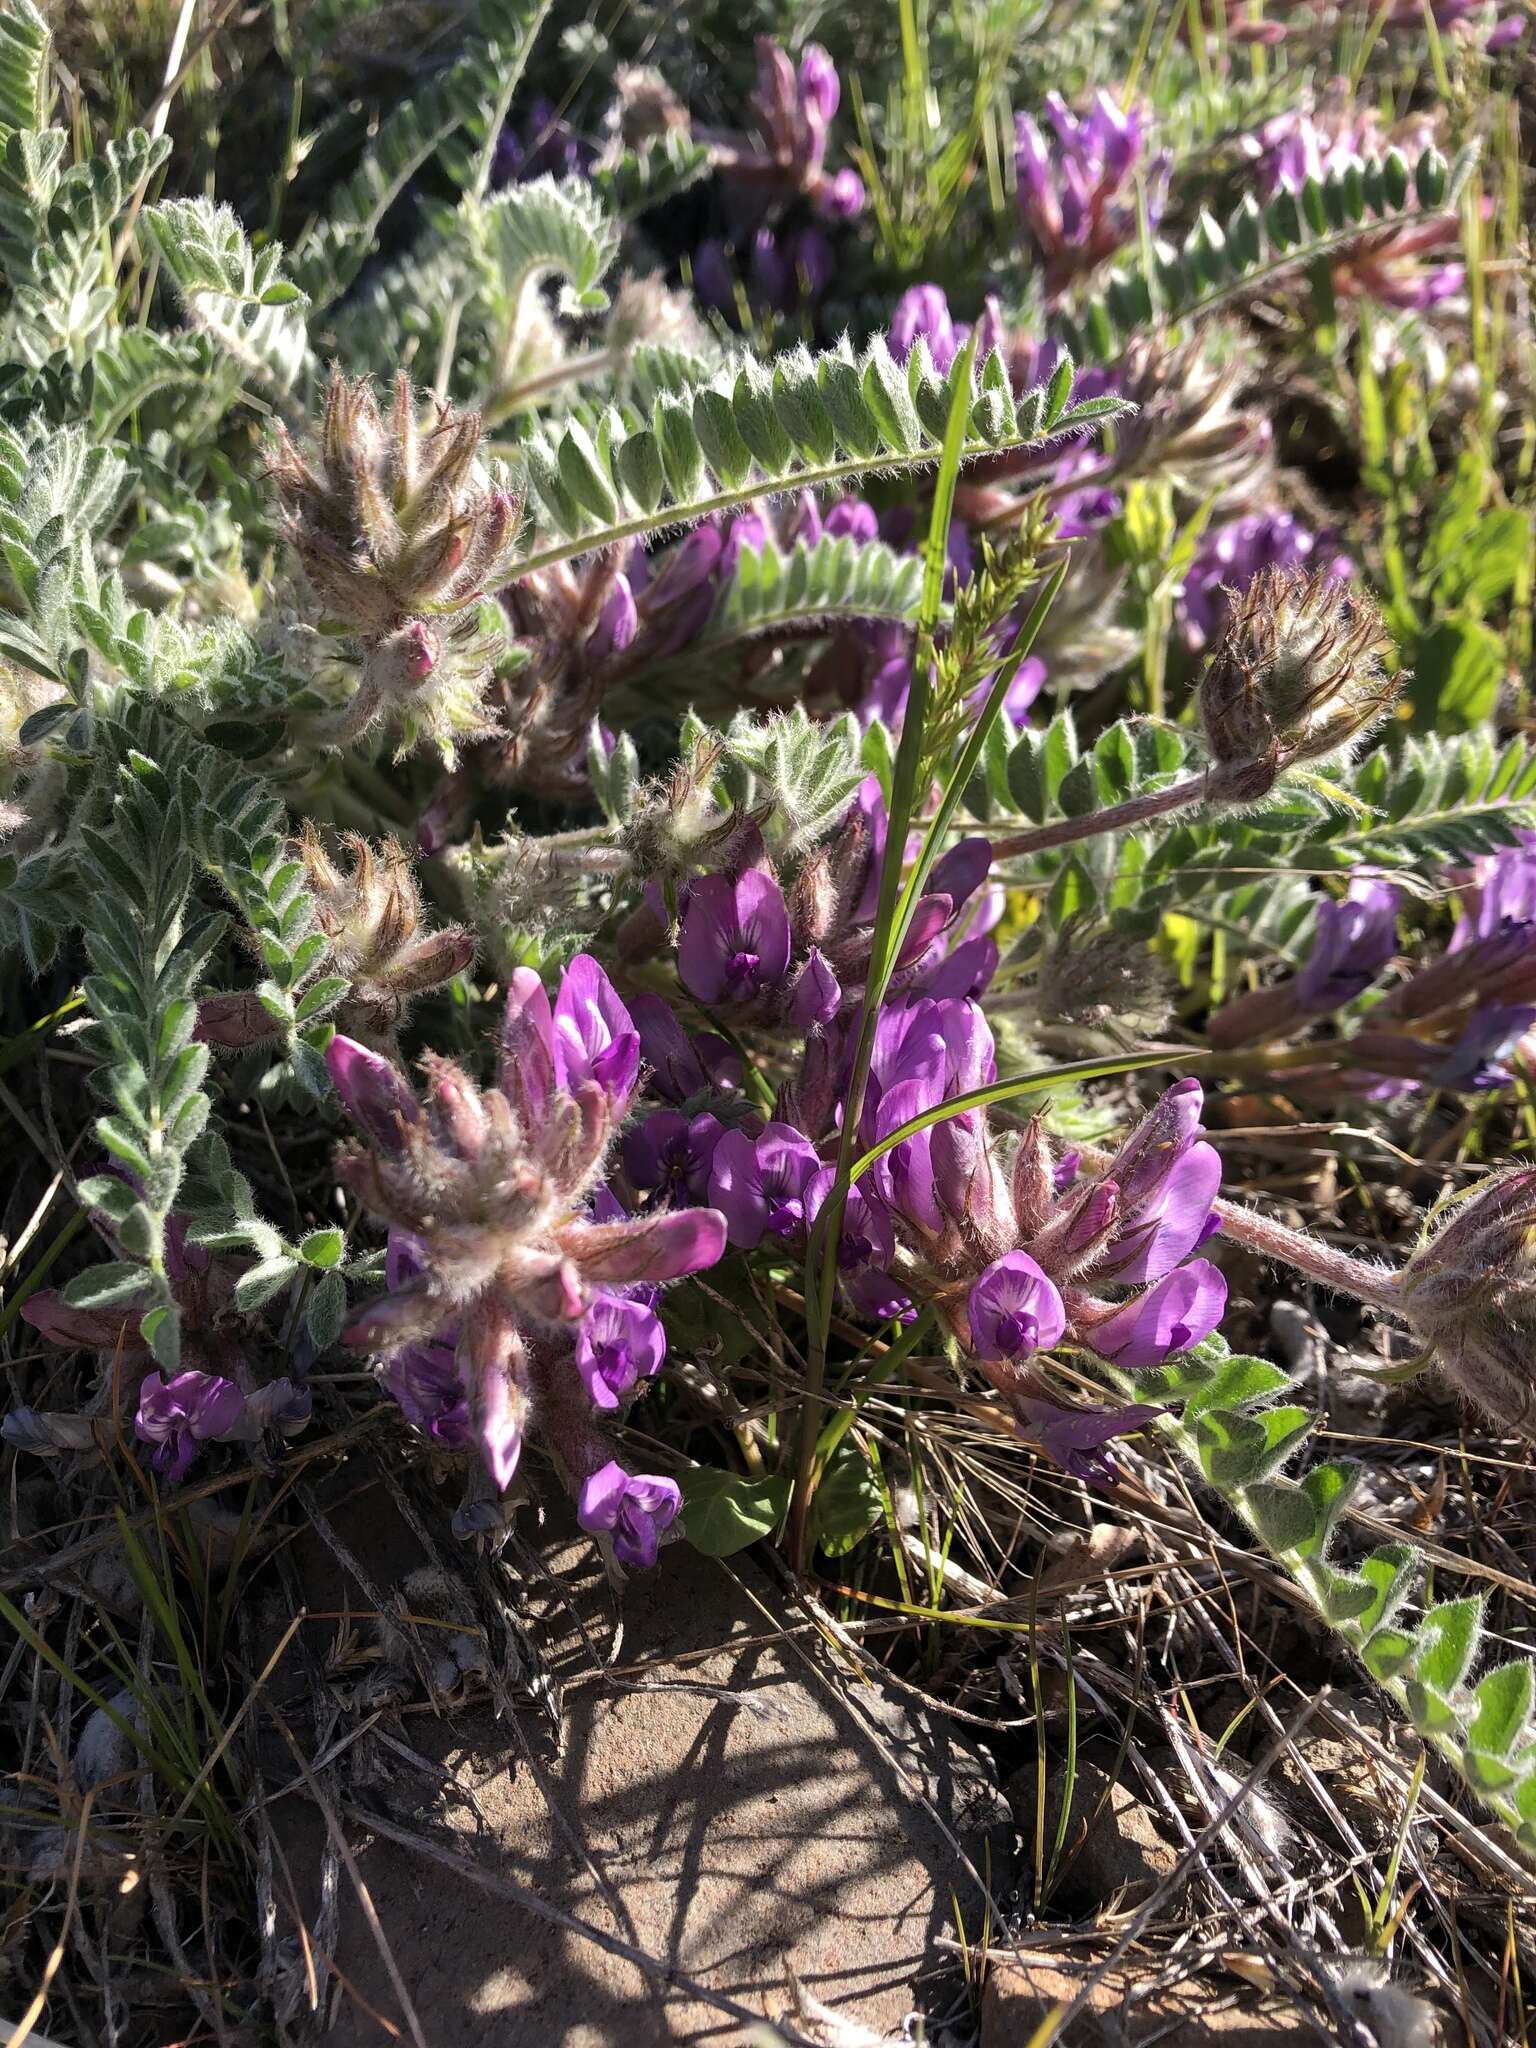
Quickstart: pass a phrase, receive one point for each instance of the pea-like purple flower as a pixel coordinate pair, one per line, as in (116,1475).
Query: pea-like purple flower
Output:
(178,1415)
(759,1184)
(1352,941)
(1075,1438)
(669,1155)
(734,942)
(619,1342)
(1166,1180)
(1181,1309)
(425,1381)
(1077,183)
(1015,1309)
(634,1507)
(922,314)
(593,1037)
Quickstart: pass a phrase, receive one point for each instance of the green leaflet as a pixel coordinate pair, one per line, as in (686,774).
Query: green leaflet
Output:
(1227,1423)
(236,296)
(605,477)
(1217,262)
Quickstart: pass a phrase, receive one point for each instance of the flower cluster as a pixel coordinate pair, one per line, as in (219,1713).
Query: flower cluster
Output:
(1339,132)
(779,195)
(1015,1250)
(399,527)
(1078,179)
(512,1274)
(1450,1022)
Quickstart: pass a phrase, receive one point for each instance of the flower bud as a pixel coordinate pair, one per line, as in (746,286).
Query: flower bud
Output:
(1470,1294)
(1297,676)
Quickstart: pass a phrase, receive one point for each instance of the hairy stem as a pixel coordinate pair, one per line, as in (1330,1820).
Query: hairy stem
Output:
(1378,1286)
(1136,810)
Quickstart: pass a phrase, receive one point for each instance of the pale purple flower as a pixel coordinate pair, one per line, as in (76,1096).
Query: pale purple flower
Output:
(593,1037)
(759,1184)
(377,1095)
(618,1343)
(635,1507)
(178,1415)
(922,313)
(1014,1309)
(1077,184)
(1352,941)
(1229,559)
(734,942)
(1181,1309)
(1074,1438)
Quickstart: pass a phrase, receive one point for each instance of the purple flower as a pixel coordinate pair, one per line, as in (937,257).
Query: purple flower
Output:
(922,312)
(671,1154)
(817,996)
(1074,1438)
(759,1184)
(593,1037)
(617,623)
(733,944)
(842,197)
(1077,184)
(1015,1309)
(820,88)
(425,1382)
(377,1095)
(618,1342)
(855,519)
(544,145)
(636,1507)
(866,1247)
(1184,1307)
(1352,942)
(1166,1182)
(1152,1239)
(1230,558)
(179,1414)
(683,1065)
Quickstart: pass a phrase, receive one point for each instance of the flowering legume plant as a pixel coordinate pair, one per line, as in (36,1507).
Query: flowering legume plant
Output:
(688,749)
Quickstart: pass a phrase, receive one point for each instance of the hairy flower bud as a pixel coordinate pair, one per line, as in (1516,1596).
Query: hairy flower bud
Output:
(396,524)
(1297,676)
(1469,1293)
(372,916)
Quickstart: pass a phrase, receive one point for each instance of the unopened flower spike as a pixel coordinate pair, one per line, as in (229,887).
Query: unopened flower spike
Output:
(495,1189)
(1299,675)
(401,529)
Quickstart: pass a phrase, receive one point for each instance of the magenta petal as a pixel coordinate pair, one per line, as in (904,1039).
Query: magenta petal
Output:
(378,1097)
(1153,1245)
(593,1035)
(1182,1309)
(526,1074)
